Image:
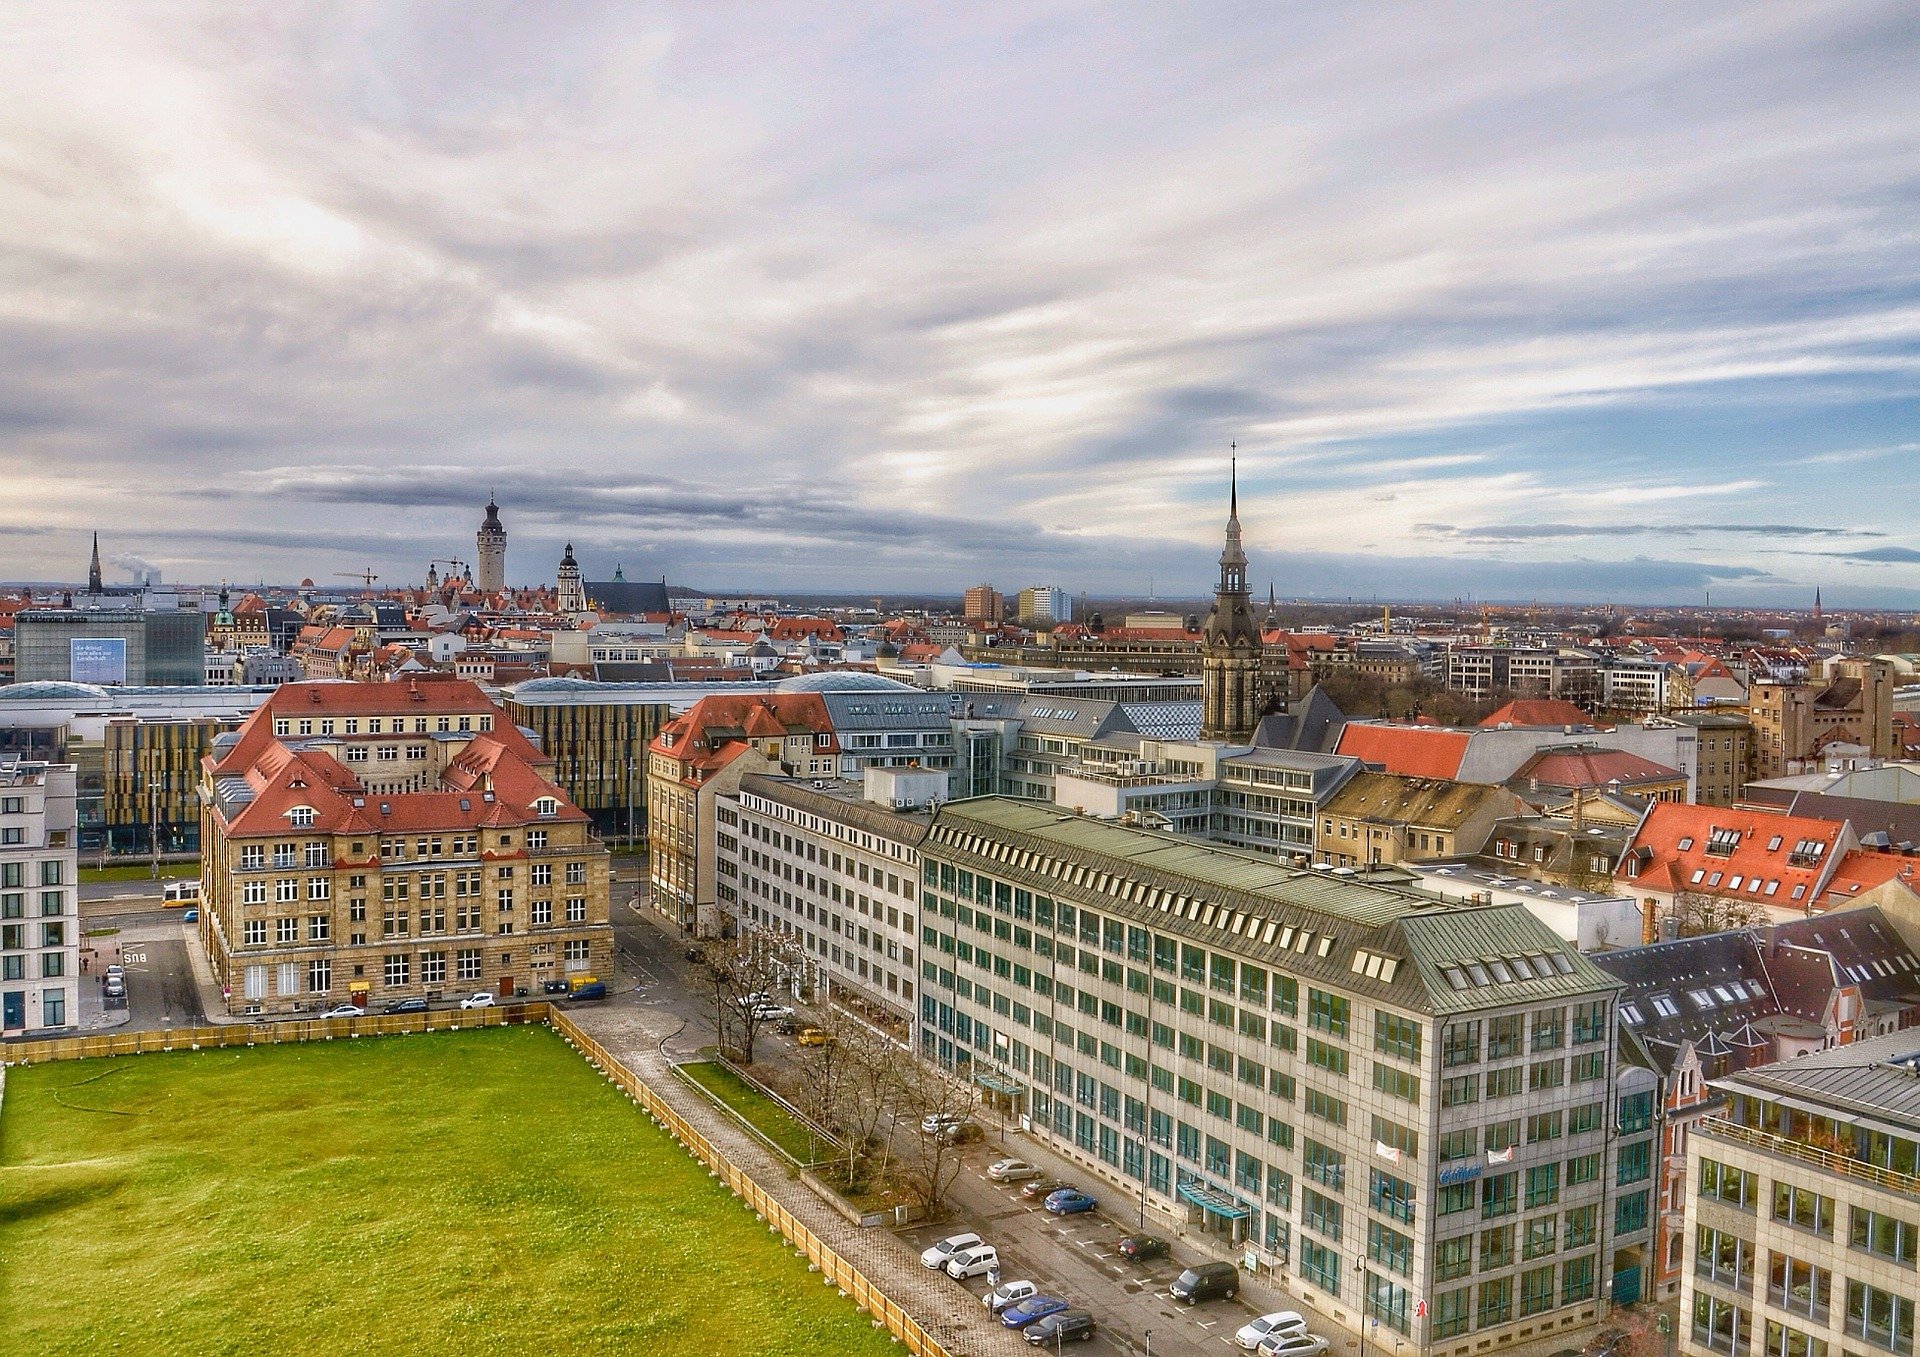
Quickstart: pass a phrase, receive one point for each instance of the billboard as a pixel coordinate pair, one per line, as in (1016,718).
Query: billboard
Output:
(97,659)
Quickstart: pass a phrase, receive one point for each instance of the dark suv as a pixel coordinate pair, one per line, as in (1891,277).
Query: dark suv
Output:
(1209,1281)
(405,1006)
(1068,1326)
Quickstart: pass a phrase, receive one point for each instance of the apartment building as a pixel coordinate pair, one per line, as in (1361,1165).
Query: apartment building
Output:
(701,756)
(835,868)
(1481,671)
(1378,818)
(370,842)
(1405,1112)
(39,907)
(1726,755)
(1849,704)
(1803,1223)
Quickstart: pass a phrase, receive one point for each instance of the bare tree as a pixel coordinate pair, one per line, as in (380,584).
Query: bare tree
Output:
(854,1083)
(1695,913)
(741,975)
(936,1100)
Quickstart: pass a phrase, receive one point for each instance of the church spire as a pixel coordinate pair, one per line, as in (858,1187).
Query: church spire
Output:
(94,582)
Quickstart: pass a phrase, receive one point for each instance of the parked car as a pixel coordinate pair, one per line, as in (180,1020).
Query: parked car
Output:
(479,999)
(116,972)
(597,990)
(555,987)
(116,988)
(1032,1308)
(1070,1201)
(1137,1248)
(1039,1189)
(405,1006)
(813,1036)
(757,999)
(938,1254)
(1279,1322)
(345,1011)
(1008,1293)
(1300,1344)
(1065,1326)
(1209,1281)
(973,1262)
(935,1122)
(190,916)
(771,1012)
(962,1133)
(1011,1171)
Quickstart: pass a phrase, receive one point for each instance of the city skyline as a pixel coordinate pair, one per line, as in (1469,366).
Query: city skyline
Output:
(1611,308)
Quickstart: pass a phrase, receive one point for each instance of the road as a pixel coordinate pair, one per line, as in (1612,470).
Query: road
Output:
(152,945)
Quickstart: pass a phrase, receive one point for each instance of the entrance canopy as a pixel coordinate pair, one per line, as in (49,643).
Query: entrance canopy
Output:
(1216,1200)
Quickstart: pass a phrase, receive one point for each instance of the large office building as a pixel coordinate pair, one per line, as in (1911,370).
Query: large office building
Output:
(1404,1112)
(379,841)
(39,907)
(1803,1223)
(117,647)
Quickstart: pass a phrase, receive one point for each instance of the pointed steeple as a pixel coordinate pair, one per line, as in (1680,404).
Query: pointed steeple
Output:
(94,583)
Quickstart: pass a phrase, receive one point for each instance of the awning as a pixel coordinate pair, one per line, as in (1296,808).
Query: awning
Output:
(1216,1200)
(999,1083)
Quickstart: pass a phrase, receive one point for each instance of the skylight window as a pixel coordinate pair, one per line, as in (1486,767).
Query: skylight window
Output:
(1664,1006)
(1454,976)
(1479,973)
(1522,968)
(1685,843)
(1773,844)
(1631,1013)
(1500,971)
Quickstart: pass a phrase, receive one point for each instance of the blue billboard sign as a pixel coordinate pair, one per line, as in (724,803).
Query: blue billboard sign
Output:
(97,659)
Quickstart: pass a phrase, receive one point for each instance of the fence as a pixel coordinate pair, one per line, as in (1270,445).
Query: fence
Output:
(835,1269)
(267,1033)
(819,1253)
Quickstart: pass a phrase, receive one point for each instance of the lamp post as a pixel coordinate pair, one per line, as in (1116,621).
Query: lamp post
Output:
(1359,1275)
(1149,1337)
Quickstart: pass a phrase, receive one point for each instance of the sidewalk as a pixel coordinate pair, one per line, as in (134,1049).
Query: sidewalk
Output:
(954,1316)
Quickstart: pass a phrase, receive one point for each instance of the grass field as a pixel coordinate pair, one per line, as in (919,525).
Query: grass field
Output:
(138,871)
(761,1112)
(459,1193)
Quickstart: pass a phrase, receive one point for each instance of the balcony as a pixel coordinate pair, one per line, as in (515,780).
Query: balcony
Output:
(1826,1160)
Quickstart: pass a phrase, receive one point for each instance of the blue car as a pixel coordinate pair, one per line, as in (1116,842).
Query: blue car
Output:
(189,916)
(1030,1309)
(1070,1201)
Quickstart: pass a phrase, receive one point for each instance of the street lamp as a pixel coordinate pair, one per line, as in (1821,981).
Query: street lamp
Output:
(1149,1336)
(1359,1275)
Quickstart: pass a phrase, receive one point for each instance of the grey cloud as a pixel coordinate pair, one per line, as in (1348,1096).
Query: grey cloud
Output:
(1878,555)
(1524,532)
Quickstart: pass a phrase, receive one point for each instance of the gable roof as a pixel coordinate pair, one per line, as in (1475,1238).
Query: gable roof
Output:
(1409,751)
(1753,855)
(1536,711)
(1422,802)
(1591,766)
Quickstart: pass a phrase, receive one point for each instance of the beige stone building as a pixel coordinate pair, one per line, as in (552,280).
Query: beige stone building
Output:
(367,843)
(1380,818)
(1849,703)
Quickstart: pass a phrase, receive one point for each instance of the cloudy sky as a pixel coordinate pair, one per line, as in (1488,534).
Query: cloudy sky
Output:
(1608,301)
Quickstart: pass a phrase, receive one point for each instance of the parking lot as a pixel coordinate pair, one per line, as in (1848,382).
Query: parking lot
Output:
(1074,1258)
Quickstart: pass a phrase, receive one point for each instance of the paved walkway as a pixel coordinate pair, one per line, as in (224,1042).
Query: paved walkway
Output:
(953,1315)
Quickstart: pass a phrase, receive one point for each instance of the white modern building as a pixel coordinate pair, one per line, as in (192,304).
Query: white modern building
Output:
(39,907)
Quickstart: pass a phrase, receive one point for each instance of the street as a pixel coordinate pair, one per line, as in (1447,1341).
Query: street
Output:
(161,991)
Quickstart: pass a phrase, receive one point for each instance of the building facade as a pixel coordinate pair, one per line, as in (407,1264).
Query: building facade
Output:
(374,842)
(836,873)
(39,906)
(111,647)
(1355,1088)
(1803,1220)
(1850,704)
(983,604)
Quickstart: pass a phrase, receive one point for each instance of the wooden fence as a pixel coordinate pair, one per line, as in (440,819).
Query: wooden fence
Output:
(822,1256)
(835,1269)
(268,1033)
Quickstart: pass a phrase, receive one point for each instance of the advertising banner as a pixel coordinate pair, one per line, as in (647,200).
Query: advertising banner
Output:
(97,659)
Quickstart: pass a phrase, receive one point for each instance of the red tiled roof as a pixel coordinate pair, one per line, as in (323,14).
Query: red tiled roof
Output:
(1669,852)
(711,732)
(1593,768)
(1409,751)
(1531,711)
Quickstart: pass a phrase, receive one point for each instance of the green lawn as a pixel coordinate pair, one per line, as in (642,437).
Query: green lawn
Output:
(761,1112)
(456,1193)
(137,871)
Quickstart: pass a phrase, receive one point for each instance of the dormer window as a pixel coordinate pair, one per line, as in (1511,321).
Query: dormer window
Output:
(301,817)
(546,805)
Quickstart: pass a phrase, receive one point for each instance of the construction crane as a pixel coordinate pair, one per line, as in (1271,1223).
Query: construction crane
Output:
(460,567)
(366,575)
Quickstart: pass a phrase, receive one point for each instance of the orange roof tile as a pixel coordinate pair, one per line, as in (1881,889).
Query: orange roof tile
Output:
(1409,751)
(1757,853)
(1528,711)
